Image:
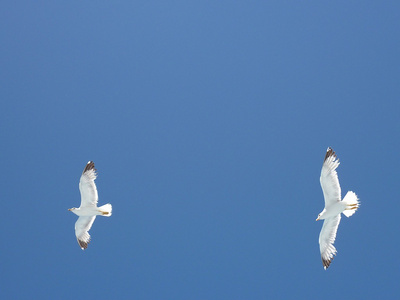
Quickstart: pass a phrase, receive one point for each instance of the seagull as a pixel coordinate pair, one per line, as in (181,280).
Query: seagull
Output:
(88,210)
(334,206)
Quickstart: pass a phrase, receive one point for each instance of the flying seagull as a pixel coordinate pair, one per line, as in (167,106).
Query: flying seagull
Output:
(88,210)
(334,206)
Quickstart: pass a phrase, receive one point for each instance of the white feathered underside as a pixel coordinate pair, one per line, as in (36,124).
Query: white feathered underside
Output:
(88,188)
(327,238)
(82,226)
(329,180)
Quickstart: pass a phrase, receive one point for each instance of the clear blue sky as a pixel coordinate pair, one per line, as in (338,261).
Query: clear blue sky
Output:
(208,122)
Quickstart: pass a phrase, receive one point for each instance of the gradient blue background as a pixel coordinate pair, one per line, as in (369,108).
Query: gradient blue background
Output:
(208,122)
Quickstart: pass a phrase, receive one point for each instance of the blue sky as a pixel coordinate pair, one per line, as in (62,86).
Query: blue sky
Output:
(208,122)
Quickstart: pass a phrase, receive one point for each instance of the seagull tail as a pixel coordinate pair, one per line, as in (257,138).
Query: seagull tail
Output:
(352,203)
(106,210)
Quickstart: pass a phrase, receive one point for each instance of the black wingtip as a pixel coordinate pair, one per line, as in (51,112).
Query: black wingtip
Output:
(83,244)
(89,166)
(329,153)
(326,262)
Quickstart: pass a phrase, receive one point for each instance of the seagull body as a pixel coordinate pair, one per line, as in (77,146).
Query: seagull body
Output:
(334,206)
(88,210)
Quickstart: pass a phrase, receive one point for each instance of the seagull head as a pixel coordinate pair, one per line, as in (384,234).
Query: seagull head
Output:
(72,209)
(321,216)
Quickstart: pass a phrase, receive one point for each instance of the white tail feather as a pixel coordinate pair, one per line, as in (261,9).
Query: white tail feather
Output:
(352,203)
(106,210)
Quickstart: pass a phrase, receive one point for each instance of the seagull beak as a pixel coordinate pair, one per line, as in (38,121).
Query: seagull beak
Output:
(317,219)
(69,209)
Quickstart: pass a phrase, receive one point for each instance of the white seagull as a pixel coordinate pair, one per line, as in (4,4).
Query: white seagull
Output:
(334,206)
(88,210)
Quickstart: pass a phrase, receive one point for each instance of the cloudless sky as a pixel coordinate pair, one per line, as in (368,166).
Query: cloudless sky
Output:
(208,122)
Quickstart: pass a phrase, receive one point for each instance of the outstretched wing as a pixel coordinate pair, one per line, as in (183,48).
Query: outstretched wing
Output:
(329,179)
(327,238)
(87,186)
(82,226)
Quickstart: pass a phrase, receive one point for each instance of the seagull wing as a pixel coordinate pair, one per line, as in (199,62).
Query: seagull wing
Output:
(87,186)
(329,179)
(82,226)
(327,238)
